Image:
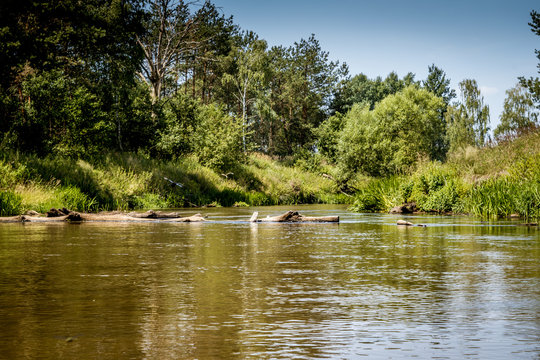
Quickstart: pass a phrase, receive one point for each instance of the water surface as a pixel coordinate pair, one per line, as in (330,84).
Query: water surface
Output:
(364,288)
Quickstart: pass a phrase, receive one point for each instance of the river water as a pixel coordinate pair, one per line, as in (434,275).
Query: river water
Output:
(458,288)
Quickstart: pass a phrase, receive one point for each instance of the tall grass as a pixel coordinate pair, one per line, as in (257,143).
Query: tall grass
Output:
(133,181)
(490,183)
(10,203)
(379,195)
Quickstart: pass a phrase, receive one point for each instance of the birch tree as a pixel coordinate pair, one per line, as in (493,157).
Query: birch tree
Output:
(249,60)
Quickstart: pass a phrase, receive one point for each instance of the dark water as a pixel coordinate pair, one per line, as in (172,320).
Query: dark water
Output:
(457,289)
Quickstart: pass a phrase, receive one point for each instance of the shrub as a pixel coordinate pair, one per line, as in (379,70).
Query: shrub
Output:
(378,195)
(10,203)
(390,139)
(435,187)
(217,141)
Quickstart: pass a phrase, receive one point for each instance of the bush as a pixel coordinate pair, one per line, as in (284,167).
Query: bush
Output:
(436,188)
(390,139)
(378,195)
(217,142)
(61,116)
(176,139)
(10,203)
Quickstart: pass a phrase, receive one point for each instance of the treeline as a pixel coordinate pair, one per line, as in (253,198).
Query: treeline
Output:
(170,79)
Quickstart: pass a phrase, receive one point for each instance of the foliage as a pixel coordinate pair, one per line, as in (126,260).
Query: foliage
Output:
(327,135)
(10,203)
(361,89)
(378,195)
(533,83)
(176,138)
(300,90)
(391,138)
(435,188)
(217,141)
(59,116)
(467,121)
(438,84)
(249,61)
(519,114)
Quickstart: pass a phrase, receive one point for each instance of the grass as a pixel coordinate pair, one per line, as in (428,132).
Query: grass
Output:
(133,181)
(493,182)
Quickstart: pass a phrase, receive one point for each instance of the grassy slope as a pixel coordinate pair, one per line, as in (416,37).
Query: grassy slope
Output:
(127,181)
(491,182)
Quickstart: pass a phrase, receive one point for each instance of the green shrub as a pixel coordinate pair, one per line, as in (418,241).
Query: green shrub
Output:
(435,187)
(217,142)
(378,195)
(240,204)
(10,203)
(390,139)
(73,199)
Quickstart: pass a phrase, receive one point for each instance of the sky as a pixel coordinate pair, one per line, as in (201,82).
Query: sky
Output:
(489,41)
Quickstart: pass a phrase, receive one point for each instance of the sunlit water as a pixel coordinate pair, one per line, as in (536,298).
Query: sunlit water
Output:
(365,288)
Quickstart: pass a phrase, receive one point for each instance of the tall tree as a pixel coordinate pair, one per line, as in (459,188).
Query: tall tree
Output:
(88,45)
(169,29)
(361,89)
(468,120)
(533,83)
(301,88)
(249,61)
(519,114)
(216,34)
(437,83)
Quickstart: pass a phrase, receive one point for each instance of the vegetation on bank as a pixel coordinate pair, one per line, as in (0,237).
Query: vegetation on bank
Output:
(130,181)
(492,182)
(107,104)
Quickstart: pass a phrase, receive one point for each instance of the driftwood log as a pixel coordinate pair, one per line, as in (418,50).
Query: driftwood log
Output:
(294,216)
(408,223)
(288,217)
(107,217)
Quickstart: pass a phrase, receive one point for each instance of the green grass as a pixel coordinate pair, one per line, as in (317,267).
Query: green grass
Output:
(492,182)
(134,181)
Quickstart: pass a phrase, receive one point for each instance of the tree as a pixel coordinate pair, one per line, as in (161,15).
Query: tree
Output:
(533,84)
(301,85)
(361,89)
(207,62)
(519,114)
(468,120)
(217,141)
(437,83)
(391,138)
(249,61)
(169,26)
(328,136)
(90,45)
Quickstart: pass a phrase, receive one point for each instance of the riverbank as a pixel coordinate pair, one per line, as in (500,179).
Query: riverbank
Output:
(125,181)
(498,181)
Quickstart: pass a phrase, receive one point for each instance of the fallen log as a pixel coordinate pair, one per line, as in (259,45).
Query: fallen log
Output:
(294,216)
(408,223)
(110,217)
(151,214)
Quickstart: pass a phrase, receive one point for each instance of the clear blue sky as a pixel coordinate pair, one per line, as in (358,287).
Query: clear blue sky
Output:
(488,41)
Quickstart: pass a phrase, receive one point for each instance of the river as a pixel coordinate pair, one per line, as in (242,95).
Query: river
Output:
(458,288)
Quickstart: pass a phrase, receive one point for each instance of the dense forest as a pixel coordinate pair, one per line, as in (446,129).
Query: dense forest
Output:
(169,80)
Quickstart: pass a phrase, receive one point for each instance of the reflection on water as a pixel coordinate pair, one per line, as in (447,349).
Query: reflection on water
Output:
(458,288)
